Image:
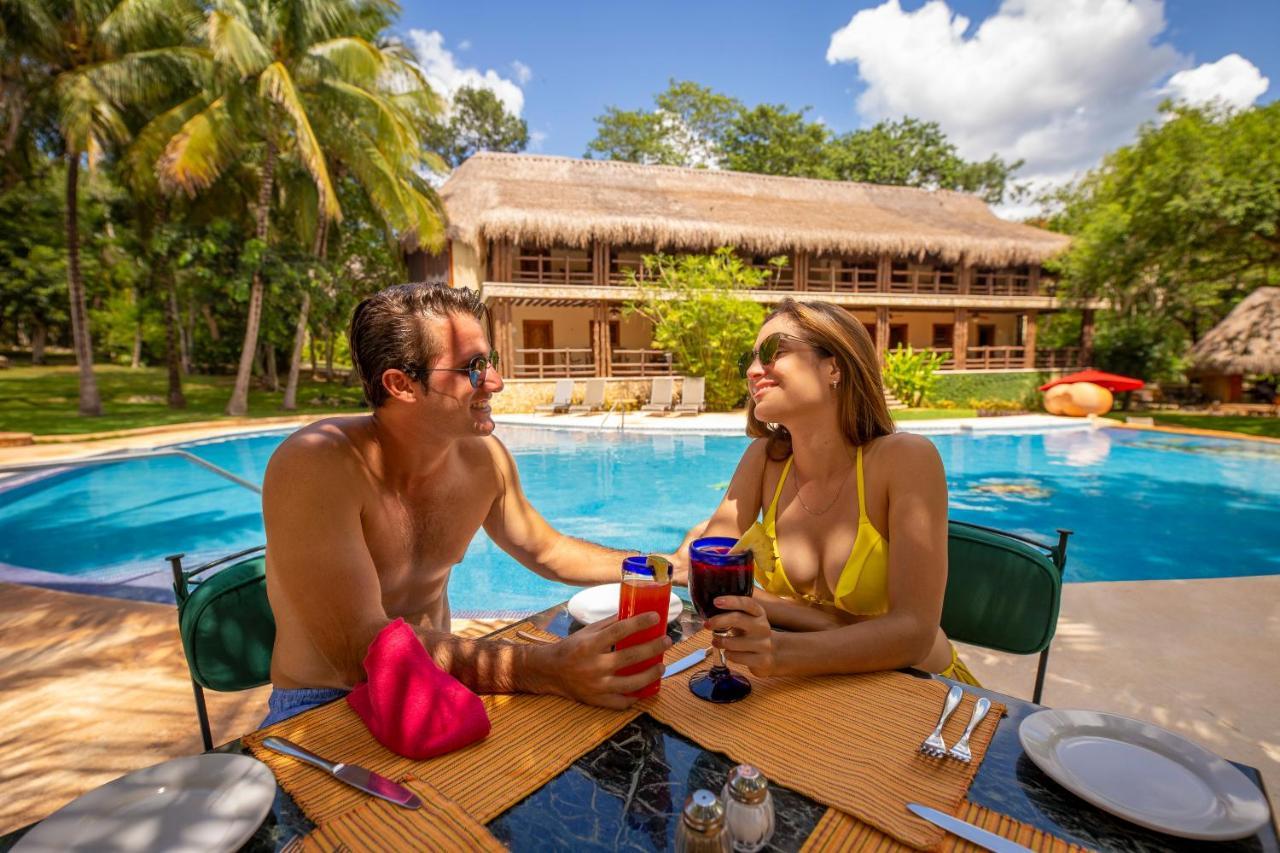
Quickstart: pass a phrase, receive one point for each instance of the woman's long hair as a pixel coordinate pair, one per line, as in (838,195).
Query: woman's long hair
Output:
(863,413)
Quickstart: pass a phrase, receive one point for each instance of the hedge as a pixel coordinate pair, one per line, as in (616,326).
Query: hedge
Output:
(960,388)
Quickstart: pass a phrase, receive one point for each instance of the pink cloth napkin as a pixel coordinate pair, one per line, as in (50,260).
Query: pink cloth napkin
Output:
(412,706)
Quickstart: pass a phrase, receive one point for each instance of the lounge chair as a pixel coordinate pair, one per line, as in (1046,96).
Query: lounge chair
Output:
(560,402)
(592,398)
(692,395)
(660,395)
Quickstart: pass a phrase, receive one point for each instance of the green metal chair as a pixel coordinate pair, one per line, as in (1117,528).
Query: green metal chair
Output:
(1003,591)
(226,626)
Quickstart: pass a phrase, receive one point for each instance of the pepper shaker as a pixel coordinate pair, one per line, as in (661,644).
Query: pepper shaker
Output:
(748,808)
(702,828)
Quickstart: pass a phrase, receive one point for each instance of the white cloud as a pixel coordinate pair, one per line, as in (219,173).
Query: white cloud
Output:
(536,138)
(1056,83)
(1232,80)
(446,77)
(523,72)
(465,44)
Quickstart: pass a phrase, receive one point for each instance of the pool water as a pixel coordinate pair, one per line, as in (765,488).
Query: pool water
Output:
(1142,505)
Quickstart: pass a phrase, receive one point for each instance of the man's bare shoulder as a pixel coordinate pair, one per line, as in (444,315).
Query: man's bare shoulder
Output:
(324,451)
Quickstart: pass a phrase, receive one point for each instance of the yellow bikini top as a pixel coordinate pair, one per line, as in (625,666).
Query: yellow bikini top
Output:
(863,586)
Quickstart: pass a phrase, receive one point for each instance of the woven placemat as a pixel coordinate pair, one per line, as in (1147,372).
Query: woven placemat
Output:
(847,741)
(440,824)
(532,740)
(836,831)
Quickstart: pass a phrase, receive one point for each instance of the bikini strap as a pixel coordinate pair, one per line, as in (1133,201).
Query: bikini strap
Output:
(862,492)
(777,493)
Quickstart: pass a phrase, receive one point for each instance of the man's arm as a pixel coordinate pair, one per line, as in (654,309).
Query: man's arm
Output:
(324,573)
(520,530)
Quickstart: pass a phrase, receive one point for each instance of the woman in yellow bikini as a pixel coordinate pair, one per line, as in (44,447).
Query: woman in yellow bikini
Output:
(851,543)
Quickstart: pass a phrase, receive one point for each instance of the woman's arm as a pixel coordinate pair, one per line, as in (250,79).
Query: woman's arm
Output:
(917,522)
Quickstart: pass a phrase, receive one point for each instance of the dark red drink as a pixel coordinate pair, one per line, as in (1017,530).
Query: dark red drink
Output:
(708,581)
(714,572)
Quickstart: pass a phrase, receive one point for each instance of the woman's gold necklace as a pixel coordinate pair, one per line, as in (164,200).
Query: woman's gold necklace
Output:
(828,507)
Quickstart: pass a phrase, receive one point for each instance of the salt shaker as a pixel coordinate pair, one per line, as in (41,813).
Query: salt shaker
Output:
(702,828)
(748,809)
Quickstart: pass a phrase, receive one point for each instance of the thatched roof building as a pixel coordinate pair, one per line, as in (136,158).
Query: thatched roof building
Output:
(1247,340)
(544,201)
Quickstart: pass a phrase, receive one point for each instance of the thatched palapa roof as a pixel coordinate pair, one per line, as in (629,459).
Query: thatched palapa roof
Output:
(545,201)
(1247,340)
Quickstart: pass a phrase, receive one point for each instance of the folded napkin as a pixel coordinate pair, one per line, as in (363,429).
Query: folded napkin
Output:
(412,706)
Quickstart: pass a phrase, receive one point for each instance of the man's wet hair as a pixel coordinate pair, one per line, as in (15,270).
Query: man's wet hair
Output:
(391,329)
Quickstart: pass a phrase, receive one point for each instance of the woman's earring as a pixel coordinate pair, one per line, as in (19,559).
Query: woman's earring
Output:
(835,383)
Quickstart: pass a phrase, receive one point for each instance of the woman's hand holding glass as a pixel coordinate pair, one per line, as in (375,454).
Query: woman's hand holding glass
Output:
(752,642)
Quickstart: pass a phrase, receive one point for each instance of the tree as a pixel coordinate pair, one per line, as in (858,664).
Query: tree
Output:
(476,121)
(772,140)
(914,153)
(309,82)
(1176,228)
(92,60)
(698,318)
(687,127)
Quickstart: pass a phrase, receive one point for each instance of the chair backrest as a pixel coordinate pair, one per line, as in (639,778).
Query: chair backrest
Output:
(1003,592)
(661,390)
(227,628)
(564,392)
(694,391)
(593,396)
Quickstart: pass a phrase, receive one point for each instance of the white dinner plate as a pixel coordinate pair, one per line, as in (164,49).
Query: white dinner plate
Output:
(600,602)
(196,803)
(1144,774)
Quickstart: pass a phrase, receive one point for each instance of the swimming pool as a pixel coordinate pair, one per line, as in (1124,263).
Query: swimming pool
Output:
(1143,505)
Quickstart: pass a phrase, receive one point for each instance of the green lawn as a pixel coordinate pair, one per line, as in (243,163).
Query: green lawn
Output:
(43,400)
(931,414)
(1269,427)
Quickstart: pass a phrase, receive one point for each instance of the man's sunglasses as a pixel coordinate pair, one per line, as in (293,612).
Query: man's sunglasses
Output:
(769,351)
(476,369)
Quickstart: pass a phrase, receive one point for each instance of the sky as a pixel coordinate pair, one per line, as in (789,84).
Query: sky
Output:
(1055,83)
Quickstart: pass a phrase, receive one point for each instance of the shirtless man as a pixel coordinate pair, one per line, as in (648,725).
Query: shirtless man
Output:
(367,515)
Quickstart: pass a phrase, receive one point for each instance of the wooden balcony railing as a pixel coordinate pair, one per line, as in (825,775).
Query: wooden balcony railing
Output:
(1002,282)
(995,358)
(552,268)
(642,362)
(553,363)
(1067,358)
(922,278)
(842,275)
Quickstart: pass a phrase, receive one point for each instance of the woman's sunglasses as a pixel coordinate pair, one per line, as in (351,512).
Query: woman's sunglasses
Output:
(769,351)
(476,369)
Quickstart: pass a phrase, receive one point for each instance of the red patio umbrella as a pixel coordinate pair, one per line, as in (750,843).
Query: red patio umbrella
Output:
(1110,381)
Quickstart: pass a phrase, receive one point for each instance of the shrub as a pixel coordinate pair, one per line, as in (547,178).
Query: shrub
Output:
(1020,388)
(910,374)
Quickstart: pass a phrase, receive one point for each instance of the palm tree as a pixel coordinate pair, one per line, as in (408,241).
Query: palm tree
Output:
(308,82)
(93,59)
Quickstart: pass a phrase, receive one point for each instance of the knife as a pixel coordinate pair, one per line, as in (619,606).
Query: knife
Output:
(691,659)
(356,777)
(967,831)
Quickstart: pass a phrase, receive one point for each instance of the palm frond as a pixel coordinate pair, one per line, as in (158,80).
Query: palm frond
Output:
(389,123)
(200,152)
(145,76)
(139,163)
(354,59)
(85,115)
(276,85)
(234,43)
(33,28)
(135,21)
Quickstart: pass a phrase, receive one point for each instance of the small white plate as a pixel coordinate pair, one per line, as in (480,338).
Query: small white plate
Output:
(600,602)
(1144,774)
(197,803)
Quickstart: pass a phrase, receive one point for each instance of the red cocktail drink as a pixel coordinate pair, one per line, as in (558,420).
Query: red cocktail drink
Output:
(642,593)
(713,572)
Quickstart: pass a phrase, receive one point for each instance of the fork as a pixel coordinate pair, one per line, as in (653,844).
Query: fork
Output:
(960,752)
(933,745)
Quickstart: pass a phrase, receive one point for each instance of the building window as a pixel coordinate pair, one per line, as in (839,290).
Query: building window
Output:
(986,334)
(943,335)
(897,335)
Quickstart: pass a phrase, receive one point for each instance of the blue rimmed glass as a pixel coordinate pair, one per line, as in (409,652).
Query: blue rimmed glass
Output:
(714,572)
(476,369)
